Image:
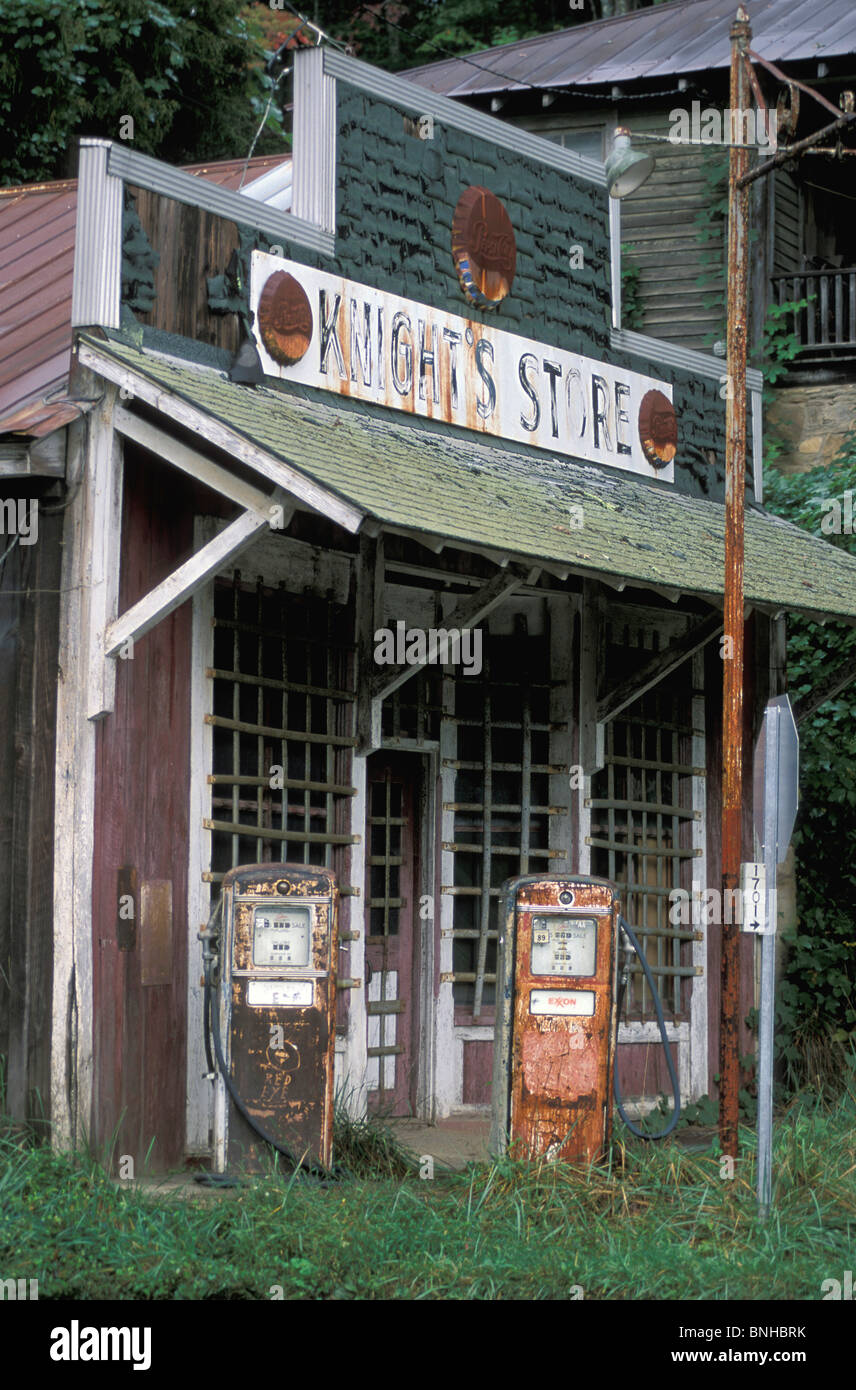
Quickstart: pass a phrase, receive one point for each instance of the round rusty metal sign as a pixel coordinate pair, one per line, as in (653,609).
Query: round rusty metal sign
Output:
(483,247)
(285,318)
(658,429)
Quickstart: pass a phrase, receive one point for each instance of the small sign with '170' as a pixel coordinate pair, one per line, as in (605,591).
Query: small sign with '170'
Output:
(754,889)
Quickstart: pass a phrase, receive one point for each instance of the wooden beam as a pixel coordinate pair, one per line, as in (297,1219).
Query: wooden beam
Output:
(190,461)
(297,484)
(72,1065)
(827,688)
(105,468)
(472,609)
(183,582)
(660,666)
(369,616)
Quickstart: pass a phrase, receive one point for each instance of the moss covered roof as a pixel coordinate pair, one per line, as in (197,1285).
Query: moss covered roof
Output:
(550,509)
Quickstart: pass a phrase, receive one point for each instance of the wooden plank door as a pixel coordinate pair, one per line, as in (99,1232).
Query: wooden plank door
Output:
(392,937)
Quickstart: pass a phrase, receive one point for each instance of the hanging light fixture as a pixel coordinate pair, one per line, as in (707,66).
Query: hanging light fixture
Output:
(626,168)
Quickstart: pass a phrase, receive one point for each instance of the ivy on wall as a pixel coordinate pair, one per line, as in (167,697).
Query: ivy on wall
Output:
(817,1000)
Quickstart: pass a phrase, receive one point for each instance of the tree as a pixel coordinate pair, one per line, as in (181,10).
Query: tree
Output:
(817,1000)
(394,34)
(181,79)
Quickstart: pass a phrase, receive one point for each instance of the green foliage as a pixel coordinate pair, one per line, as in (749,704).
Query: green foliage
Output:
(818,995)
(657,1222)
(711,227)
(779,343)
(397,35)
(186,72)
(632,312)
(368,1148)
(394,34)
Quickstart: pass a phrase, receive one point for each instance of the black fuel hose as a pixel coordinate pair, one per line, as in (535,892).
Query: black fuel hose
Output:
(673,1076)
(212,1016)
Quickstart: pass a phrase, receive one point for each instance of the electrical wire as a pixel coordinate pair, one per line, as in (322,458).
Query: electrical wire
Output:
(262,124)
(305,23)
(517,82)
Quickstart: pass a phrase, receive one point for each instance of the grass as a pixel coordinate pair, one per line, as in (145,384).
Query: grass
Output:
(658,1223)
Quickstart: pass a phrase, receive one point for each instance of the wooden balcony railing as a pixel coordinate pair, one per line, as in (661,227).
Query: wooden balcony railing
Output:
(827,328)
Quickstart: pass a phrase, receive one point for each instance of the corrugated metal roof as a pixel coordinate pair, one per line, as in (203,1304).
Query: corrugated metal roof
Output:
(680,38)
(41,418)
(476,495)
(37,225)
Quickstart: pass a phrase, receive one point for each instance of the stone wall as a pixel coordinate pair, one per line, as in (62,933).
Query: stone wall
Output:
(812,423)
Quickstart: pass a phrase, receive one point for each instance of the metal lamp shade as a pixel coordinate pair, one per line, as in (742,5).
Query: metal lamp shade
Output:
(626,168)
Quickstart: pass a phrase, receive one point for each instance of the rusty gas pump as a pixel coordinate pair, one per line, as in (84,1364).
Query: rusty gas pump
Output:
(557,1010)
(556,1017)
(270,1010)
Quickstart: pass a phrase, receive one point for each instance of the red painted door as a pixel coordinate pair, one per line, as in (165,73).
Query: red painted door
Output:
(392,915)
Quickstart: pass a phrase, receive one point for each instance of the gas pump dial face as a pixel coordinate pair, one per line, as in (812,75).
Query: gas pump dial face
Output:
(281,935)
(564,945)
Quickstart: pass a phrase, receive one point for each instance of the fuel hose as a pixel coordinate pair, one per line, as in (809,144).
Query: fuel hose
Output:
(658,1008)
(212,1032)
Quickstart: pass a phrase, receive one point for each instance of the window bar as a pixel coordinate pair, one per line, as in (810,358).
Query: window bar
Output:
(283,744)
(661,859)
(421,686)
(329,720)
(610,815)
(236,710)
(262,845)
(635,870)
(307,721)
(387,852)
(484,903)
(526,782)
(660,899)
(676,866)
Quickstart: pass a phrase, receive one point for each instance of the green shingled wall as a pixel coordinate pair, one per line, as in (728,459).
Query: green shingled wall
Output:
(396,199)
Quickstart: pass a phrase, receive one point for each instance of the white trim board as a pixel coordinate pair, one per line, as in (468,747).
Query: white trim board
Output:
(72,1057)
(402,92)
(190,461)
(296,484)
(200,1093)
(144,172)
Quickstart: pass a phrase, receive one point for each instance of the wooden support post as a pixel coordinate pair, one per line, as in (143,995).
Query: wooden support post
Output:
(105,470)
(369,617)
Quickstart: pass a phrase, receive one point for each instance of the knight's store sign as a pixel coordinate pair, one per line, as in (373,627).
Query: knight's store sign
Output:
(327,332)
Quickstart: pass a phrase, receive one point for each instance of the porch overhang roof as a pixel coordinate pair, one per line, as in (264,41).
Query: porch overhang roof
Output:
(475,495)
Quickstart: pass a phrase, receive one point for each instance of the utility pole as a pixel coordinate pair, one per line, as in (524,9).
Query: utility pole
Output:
(733,644)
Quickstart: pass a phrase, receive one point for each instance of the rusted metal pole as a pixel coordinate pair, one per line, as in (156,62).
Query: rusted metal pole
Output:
(732,685)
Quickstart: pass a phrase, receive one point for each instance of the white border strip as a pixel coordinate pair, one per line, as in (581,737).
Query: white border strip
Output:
(402,92)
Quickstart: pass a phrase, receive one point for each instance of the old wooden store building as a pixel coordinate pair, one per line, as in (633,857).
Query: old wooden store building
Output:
(382,392)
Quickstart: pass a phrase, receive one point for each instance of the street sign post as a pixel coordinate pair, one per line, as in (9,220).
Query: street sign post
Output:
(776,777)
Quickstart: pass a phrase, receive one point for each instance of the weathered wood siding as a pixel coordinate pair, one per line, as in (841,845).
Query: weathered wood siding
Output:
(192,245)
(659,222)
(29,615)
(788,235)
(141,822)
